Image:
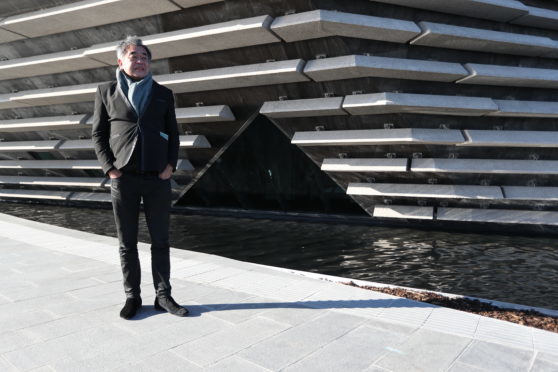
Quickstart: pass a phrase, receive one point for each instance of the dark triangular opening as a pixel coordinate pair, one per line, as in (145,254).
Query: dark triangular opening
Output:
(262,170)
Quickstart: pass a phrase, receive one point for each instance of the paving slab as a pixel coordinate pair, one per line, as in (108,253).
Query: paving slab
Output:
(58,314)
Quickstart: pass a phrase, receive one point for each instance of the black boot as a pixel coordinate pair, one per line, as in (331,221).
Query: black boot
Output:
(169,305)
(130,308)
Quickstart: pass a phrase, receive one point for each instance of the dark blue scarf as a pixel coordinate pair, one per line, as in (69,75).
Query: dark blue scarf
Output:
(138,92)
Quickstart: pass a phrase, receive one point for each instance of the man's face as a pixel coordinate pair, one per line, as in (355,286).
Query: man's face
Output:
(135,62)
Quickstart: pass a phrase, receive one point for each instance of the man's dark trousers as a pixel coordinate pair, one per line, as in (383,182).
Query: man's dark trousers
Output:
(126,192)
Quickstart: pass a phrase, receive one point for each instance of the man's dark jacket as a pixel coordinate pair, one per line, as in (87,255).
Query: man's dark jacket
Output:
(116,129)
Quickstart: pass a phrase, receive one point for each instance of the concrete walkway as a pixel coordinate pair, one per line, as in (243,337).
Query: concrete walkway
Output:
(61,292)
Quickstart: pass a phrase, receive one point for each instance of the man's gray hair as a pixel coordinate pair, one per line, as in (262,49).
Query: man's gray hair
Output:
(123,46)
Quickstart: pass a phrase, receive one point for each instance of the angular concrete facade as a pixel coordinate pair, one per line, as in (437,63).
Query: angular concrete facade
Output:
(440,112)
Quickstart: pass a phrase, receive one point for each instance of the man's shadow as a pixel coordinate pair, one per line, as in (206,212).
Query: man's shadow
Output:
(197,310)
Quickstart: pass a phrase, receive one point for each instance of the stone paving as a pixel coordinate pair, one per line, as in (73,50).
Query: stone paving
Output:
(61,292)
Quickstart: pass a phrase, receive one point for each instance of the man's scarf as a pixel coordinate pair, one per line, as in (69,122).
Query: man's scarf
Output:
(138,92)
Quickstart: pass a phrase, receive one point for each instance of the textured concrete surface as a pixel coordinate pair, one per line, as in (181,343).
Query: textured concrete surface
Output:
(384,103)
(426,190)
(323,23)
(497,10)
(61,293)
(357,66)
(499,216)
(510,76)
(525,108)
(44,123)
(303,108)
(494,166)
(538,17)
(532,193)
(511,138)
(467,38)
(225,35)
(82,14)
(365,165)
(404,211)
(378,136)
(204,114)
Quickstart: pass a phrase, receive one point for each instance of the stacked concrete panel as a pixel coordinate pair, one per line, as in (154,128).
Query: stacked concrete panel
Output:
(53,152)
(417,152)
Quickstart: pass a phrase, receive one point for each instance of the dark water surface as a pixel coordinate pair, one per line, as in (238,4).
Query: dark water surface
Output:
(507,268)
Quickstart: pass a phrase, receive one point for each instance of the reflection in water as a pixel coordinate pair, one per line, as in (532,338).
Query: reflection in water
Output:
(507,268)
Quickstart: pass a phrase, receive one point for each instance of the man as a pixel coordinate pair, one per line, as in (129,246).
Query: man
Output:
(136,141)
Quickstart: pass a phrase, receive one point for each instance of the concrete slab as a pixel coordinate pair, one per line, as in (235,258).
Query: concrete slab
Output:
(535,109)
(494,166)
(294,344)
(17,146)
(303,108)
(274,334)
(87,144)
(324,23)
(193,3)
(53,181)
(34,194)
(235,77)
(539,17)
(496,10)
(219,345)
(378,137)
(194,141)
(204,114)
(195,81)
(424,351)
(7,36)
(403,211)
(356,66)
(7,100)
(364,165)
(489,356)
(45,123)
(220,36)
(57,96)
(338,355)
(75,145)
(388,103)
(184,165)
(83,14)
(99,197)
(425,191)
(49,164)
(510,138)
(510,76)
(530,193)
(466,38)
(72,60)
(498,216)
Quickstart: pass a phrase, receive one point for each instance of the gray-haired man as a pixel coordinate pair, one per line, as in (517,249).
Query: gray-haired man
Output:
(136,141)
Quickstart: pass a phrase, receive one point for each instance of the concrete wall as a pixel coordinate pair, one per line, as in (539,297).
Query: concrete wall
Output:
(362,34)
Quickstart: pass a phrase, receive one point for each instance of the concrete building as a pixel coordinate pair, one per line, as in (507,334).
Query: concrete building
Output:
(431,112)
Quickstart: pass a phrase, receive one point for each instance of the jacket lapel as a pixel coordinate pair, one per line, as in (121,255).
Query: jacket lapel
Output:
(123,97)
